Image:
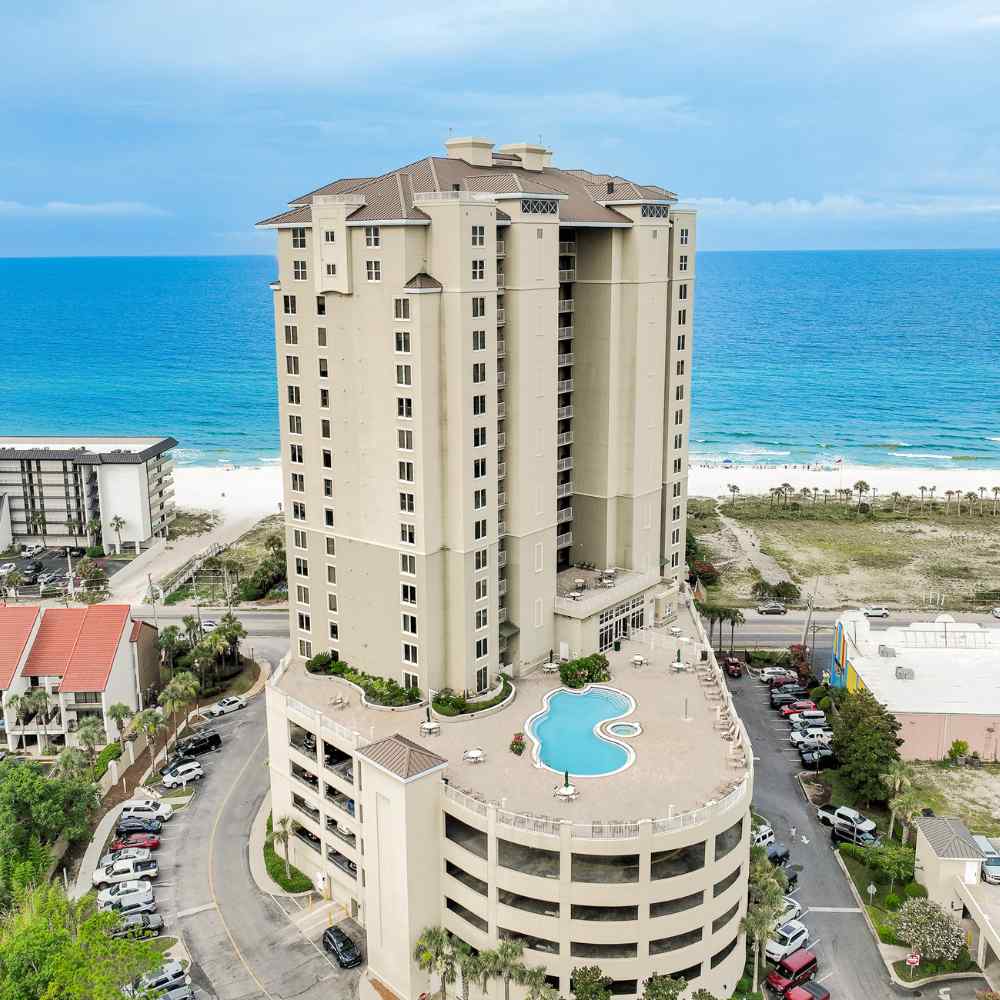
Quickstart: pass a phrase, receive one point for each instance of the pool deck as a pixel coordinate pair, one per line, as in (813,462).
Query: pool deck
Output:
(681,761)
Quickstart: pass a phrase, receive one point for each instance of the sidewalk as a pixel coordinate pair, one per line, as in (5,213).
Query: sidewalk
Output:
(84,880)
(749,545)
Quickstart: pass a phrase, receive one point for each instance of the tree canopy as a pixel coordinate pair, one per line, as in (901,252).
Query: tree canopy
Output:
(866,742)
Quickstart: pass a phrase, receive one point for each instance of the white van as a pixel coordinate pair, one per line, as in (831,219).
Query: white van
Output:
(762,835)
(147,809)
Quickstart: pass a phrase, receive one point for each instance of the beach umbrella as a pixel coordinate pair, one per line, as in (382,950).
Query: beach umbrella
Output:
(566,779)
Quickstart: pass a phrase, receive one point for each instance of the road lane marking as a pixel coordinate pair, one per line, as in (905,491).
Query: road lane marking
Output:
(836,909)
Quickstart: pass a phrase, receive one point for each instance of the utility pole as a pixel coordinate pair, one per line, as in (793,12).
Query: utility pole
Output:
(152,598)
(69,576)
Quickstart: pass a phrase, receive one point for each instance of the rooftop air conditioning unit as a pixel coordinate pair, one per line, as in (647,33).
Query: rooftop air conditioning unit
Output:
(886,651)
(904,673)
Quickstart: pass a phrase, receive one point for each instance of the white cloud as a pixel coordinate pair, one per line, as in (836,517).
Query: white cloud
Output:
(846,207)
(74,209)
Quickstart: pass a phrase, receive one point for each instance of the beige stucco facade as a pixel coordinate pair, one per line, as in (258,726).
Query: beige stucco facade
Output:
(484,380)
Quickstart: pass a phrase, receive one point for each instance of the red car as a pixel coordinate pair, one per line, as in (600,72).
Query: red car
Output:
(779,679)
(733,666)
(797,706)
(150,840)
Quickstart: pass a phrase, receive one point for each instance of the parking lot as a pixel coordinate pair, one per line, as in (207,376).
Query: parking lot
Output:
(52,562)
(849,962)
(244,944)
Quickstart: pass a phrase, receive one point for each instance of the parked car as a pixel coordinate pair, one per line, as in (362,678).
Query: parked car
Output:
(875,611)
(853,820)
(762,835)
(44,579)
(772,608)
(148,840)
(990,868)
(840,834)
(777,854)
(198,744)
(774,675)
(147,809)
(809,990)
(733,666)
(33,550)
(7,567)
(995,612)
(811,735)
(28,578)
(791,910)
(225,706)
(827,815)
(811,715)
(787,939)
(818,757)
(134,905)
(175,760)
(76,551)
(786,696)
(177,993)
(122,891)
(342,947)
(209,625)
(126,854)
(125,871)
(139,925)
(792,971)
(792,878)
(181,774)
(796,706)
(167,977)
(783,681)
(137,824)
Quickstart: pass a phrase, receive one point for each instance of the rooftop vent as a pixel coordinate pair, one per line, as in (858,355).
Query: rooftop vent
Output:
(611,187)
(886,651)
(904,673)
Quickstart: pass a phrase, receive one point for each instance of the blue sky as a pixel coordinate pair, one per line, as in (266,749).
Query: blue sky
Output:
(157,127)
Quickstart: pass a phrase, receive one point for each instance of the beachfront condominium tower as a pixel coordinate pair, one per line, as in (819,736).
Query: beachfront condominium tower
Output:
(484,368)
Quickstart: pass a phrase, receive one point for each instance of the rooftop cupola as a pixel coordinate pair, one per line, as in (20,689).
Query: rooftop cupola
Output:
(475,151)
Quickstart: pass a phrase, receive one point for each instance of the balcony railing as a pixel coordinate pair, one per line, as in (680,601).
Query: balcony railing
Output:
(564,412)
(501,529)
(568,275)
(501,410)
(564,490)
(501,317)
(565,540)
(501,559)
(564,438)
(501,440)
(343,802)
(567,248)
(566,306)
(501,348)
(501,500)
(564,464)
(502,587)
(502,615)
(564,515)
(565,386)
(501,470)
(501,379)
(501,280)
(305,778)
(501,248)
(345,770)
(344,864)
(304,807)
(566,333)
(566,359)
(344,834)
(307,838)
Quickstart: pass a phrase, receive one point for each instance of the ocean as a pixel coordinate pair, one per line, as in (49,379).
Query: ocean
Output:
(878,358)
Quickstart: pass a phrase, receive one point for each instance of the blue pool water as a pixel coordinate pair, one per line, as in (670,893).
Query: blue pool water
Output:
(565,732)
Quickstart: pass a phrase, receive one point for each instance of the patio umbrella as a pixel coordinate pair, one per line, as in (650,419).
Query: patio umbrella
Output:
(566,779)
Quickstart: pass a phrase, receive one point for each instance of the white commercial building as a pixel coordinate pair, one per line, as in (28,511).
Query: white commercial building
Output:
(55,490)
(941,679)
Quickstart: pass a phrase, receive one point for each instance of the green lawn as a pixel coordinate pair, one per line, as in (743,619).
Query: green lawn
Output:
(294,881)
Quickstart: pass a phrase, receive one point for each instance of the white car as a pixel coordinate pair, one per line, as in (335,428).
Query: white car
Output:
(995,612)
(33,550)
(147,809)
(127,854)
(6,568)
(875,612)
(762,835)
(807,736)
(787,938)
(183,773)
(125,871)
(209,625)
(116,892)
(792,910)
(225,706)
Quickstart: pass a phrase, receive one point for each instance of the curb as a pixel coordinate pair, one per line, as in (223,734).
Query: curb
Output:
(255,850)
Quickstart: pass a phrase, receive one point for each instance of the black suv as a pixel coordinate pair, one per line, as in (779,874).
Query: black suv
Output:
(199,743)
(138,824)
(343,949)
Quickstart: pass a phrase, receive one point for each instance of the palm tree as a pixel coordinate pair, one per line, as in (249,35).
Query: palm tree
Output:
(972,497)
(178,694)
(786,490)
(996,497)
(535,983)
(119,713)
(433,954)
(231,628)
(932,490)
(150,721)
(948,494)
(758,924)
(906,806)
(13,580)
(826,497)
(38,703)
(735,618)
(734,489)
(192,628)
(982,499)
(862,488)
(37,521)
(469,965)
(897,778)
(90,734)
(20,705)
(71,763)
(116,524)
(168,641)
(93,530)
(896,497)
(923,490)
(280,835)
(504,962)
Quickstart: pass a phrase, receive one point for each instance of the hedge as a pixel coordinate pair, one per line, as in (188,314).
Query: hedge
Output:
(914,890)
(275,865)
(585,670)
(111,752)
(450,703)
(378,690)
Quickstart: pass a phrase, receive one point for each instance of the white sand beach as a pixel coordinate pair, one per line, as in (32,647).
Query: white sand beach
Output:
(713,480)
(237,493)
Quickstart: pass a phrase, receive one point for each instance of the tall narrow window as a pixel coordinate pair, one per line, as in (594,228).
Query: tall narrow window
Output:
(288,305)
(299,270)
(373,236)
(479,236)
(401,308)
(298,238)
(373,270)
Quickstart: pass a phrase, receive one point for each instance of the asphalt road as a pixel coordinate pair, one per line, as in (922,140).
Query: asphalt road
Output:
(264,623)
(850,965)
(243,944)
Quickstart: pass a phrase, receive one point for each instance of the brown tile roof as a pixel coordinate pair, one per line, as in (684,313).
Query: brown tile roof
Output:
(137,626)
(84,456)
(402,757)
(390,196)
(15,629)
(423,280)
(78,645)
(301,215)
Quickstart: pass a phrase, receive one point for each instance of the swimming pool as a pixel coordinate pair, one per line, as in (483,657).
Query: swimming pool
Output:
(565,732)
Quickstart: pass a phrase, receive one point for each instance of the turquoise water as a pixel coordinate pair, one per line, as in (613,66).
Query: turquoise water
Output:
(565,732)
(882,358)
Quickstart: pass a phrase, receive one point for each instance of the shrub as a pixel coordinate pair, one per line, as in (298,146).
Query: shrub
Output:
(787,591)
(705,571)
(591,669)
(825,704)
(95,552)
(892,901)
(447,702)
(517,744)
(958,749)
(378,690)
(275,864)
(818,693)
(926,928)
(111,752)
(914,890)
(886,934)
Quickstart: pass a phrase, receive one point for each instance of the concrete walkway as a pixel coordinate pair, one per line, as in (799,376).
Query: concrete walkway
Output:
(749,544)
